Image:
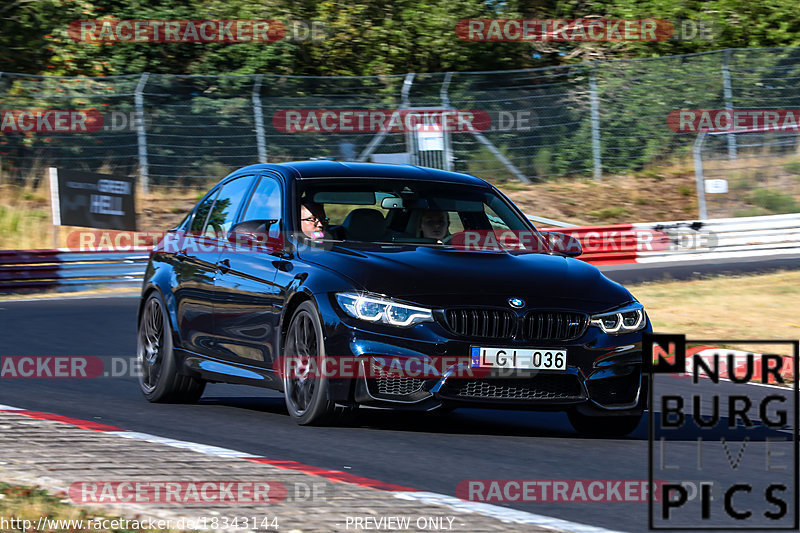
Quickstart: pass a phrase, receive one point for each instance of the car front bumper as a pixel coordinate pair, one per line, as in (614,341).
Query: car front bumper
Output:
(604,372)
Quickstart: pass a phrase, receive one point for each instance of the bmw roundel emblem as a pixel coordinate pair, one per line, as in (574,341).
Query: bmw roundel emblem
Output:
(516,303)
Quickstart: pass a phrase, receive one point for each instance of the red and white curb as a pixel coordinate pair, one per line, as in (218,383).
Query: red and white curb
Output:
(504,514)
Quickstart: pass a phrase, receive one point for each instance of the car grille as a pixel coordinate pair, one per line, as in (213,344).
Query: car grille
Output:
(485,323)
(389,385)
(539,387)
(500,324)
(554,325)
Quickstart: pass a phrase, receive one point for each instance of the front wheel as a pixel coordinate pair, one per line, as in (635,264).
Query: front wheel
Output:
(603,425)
(305,385)
(159,379)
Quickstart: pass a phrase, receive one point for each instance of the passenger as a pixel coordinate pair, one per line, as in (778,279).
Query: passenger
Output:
(434,224)
(313,222)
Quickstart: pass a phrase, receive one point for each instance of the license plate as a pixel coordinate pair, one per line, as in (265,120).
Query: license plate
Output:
(525,359)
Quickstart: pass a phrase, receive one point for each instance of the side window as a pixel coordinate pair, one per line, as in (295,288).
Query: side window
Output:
(229,200)
(265,203)
(456,224)
(495,220)
(200,215)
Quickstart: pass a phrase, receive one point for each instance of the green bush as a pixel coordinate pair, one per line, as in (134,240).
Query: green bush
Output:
(609,213)
(774,201)
(751,212)
(792,167)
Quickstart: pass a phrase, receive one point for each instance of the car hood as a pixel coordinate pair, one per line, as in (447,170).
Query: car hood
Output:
(438,277)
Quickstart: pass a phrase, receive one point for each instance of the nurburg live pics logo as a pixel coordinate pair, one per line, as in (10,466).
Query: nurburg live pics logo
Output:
(732,426)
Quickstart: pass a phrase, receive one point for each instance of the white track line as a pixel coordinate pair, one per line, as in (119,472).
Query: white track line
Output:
(205,449)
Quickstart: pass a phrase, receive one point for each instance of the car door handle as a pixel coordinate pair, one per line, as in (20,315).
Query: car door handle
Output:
(224,266)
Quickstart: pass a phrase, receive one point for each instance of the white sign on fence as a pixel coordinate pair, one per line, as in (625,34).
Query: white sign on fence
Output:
(716,186)
(430,139)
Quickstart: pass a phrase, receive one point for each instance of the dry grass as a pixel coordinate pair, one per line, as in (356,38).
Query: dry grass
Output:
(731,307)
(759,185)
(654,195)
(24,217)
(25,214)
(25,503)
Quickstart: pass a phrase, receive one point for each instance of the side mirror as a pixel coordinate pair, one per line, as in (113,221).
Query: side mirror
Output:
(257,235)
(563,244)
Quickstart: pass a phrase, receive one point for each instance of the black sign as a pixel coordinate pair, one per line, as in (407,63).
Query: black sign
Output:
(92,200)
(723,443)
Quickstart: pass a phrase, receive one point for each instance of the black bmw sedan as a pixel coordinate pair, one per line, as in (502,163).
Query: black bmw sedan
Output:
(392,286)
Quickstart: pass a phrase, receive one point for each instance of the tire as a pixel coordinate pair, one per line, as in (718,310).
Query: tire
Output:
(307,396)
(159,379)
(603,426)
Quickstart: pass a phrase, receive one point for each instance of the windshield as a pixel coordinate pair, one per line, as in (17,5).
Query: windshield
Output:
(382,211)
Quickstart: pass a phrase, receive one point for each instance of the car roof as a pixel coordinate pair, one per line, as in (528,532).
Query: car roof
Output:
(335,169)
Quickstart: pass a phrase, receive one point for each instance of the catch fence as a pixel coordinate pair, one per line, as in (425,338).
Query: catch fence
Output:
(582,120)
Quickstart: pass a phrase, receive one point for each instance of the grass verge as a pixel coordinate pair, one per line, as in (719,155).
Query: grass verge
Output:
(726,307)
(20,503)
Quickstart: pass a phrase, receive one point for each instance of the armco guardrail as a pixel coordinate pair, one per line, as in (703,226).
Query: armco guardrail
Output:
(603,245)
(46,269)
(724,238)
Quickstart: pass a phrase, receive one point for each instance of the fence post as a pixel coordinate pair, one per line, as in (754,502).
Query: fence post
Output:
(698,174)
(258,117)
(444,96)
(597,161)
(141,134)
(728,95)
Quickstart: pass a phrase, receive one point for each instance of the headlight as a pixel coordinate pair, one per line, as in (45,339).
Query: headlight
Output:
(381,310)
(623,320)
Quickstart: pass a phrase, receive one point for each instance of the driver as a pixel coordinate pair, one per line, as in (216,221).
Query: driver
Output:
(313,222)
(434,224)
